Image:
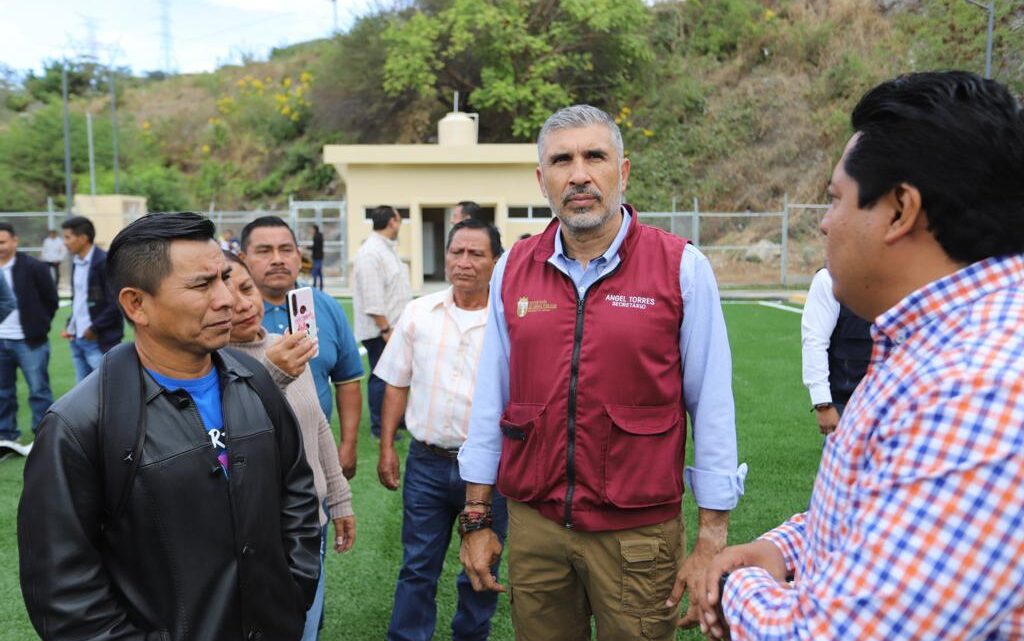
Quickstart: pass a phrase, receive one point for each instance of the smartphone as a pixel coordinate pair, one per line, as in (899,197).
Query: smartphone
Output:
(301,317)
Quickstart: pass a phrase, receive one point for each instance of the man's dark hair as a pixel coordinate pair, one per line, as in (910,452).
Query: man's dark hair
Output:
(957,138)
(80,226)
(7,227)
(139,255)
(264,221)
(476,223)
(470,209)
(381,216)
(315,226)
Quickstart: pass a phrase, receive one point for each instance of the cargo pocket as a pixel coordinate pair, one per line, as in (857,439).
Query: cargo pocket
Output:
(522,453)
(639,565)
(644,461)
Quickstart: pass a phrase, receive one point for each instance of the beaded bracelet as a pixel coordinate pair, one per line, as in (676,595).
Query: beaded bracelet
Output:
(473,521)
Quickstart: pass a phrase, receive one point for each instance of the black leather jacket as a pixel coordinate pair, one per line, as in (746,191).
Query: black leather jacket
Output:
(194,555)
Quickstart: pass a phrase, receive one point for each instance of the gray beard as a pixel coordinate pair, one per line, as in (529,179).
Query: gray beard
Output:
(580,222)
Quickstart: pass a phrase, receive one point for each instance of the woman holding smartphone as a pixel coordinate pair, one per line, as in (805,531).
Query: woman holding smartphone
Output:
(285,357)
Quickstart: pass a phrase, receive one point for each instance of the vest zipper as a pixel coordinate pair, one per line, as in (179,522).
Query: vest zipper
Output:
(574,376)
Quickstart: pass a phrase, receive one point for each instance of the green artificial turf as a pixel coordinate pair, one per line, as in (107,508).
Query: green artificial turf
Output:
(778,439)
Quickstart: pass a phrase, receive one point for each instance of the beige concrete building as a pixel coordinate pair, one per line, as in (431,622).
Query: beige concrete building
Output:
(109,214)
(424,182)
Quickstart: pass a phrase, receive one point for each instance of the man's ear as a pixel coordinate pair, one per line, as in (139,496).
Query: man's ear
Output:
(907,213)
(540,182)
(132,302)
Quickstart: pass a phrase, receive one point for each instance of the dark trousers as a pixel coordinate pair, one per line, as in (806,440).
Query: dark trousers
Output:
(433,494)
(374,386)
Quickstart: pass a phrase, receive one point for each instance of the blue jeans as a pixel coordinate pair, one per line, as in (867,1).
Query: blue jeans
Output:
(315,613)
(34,363)
(374,386)
(433,494)
(317,273)
(86,356)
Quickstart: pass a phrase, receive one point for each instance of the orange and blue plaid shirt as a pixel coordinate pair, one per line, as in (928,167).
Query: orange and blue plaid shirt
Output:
(915,529)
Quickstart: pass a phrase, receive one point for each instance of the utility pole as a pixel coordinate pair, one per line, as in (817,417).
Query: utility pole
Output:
(67,138)
(92,156)
(113,129)
(991,9)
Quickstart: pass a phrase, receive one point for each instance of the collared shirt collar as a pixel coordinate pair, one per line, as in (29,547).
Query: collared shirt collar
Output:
(609,254)
(940,297)
(87,259)
(10,263)
(392,243)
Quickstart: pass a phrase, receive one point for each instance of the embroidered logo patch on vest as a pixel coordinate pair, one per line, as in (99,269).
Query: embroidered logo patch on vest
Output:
(524,306)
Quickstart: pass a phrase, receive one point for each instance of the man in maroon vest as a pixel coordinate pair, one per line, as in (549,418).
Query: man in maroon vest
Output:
(603,334)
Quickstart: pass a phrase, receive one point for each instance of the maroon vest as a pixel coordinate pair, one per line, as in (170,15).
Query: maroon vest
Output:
(594,433)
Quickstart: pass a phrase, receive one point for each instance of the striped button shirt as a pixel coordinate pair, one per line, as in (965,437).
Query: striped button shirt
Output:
(915,529)
(434,351)
(380,285)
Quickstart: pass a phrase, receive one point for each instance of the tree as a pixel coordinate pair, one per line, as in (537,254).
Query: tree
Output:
(517,60)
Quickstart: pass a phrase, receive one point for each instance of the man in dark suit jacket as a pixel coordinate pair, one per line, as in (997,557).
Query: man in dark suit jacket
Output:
(95,324)
(24,333)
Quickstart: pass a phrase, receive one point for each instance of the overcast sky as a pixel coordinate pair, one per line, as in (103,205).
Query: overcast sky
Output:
(204,33)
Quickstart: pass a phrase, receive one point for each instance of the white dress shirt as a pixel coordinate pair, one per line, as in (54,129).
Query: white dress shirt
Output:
(53,250)
(10,328)
(821,312)
(380,285)
(81,320)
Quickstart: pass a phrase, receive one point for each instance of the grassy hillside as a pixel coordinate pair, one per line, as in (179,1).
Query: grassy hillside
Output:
(735,102)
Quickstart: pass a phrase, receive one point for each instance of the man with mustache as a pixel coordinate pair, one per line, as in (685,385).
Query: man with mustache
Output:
(271,252)
(184,510)
(603,333)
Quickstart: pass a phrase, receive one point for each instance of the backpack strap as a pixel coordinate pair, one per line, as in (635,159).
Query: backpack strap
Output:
(122,424)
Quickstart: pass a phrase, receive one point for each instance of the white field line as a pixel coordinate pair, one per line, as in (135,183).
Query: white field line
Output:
(785,308)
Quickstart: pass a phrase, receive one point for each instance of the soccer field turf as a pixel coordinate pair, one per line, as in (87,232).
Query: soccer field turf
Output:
(778,439)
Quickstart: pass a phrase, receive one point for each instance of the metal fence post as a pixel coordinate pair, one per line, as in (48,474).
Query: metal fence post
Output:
(784,262)
(50,222)
(695,224)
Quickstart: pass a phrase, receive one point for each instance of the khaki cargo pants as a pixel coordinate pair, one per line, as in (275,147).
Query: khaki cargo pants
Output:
(559,578)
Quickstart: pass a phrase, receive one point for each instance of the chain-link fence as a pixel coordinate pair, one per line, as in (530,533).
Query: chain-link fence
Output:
(753,248)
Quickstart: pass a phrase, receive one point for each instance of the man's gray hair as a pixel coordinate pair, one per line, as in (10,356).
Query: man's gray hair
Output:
(579,116)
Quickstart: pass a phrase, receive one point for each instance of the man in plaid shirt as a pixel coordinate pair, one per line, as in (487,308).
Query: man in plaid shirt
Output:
(916,525)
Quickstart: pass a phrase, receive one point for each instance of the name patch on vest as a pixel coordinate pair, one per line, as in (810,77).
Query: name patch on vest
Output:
(631,302)
(525,306)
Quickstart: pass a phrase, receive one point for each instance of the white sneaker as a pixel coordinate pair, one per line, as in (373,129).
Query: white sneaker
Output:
(12,447)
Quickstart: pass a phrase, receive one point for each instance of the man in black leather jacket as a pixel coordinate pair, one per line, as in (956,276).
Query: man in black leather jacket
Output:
(217,538)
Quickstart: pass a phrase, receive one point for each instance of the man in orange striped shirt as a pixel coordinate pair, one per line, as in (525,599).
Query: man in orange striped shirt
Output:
(915,529)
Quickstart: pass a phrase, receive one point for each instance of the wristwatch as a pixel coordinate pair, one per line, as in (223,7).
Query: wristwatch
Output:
(822,406)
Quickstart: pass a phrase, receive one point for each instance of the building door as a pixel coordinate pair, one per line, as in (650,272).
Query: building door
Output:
(434,222)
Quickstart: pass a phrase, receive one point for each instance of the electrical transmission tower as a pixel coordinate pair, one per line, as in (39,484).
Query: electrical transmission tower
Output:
(165,35)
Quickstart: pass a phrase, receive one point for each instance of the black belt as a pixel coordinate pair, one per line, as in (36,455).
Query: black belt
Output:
(438,451)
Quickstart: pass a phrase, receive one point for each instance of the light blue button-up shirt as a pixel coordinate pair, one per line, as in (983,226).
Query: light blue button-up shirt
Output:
(81,320)
(714,478)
